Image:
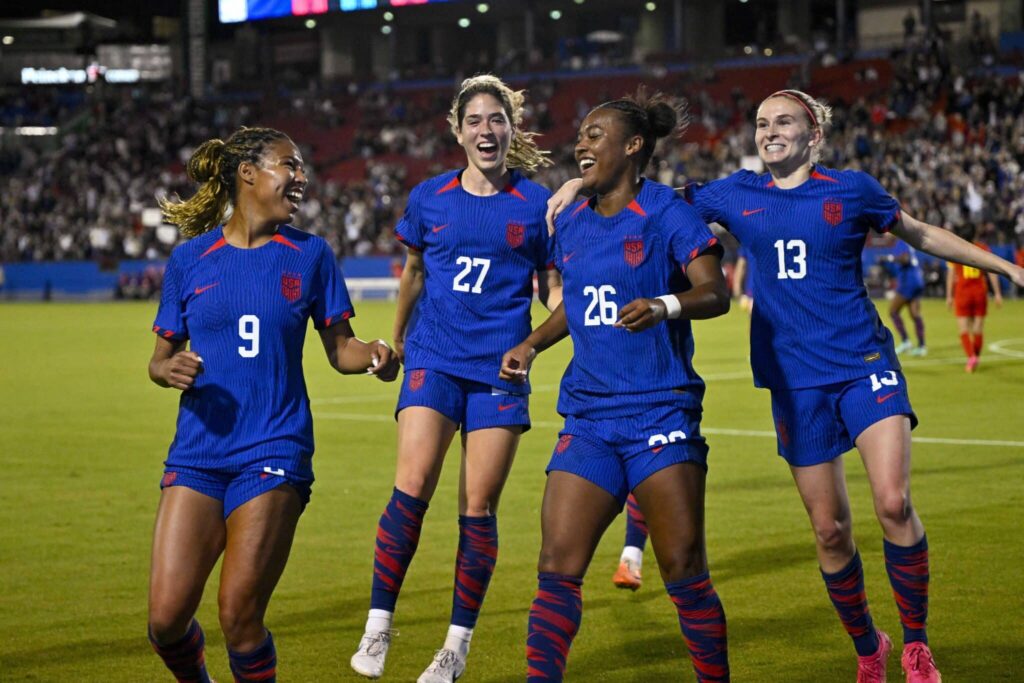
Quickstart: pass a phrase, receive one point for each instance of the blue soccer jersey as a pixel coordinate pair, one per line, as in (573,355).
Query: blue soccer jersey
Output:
(479,256)
(607,262)
(909,276)
(813,323)
(245,313)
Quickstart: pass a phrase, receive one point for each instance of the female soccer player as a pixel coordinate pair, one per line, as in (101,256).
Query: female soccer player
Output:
(239,471)
(475,237)
(967,297)
(630,396)
(818,344)
(902,264)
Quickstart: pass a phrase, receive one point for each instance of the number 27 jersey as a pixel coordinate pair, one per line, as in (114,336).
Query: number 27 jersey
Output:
(813,323)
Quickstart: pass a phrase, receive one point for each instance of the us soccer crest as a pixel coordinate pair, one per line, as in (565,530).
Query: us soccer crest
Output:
(832,211)
(416,379)
(633,251)
(291,286)
(563,443)
(514,234)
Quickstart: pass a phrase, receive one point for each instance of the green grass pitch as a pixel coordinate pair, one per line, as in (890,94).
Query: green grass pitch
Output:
(83,433)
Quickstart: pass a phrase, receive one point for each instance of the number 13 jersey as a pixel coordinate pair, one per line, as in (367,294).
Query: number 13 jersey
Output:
(813,323)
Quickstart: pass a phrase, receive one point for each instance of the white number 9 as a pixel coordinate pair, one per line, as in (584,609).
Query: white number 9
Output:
(249,330)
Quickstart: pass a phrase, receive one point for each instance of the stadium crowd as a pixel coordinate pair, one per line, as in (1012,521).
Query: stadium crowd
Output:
(948,143)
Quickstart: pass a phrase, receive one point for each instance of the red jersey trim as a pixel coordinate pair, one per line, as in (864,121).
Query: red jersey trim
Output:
(636,208)
(579,207)
(281,239)
(821,176)
(452,184)
(214,247)
(511,189)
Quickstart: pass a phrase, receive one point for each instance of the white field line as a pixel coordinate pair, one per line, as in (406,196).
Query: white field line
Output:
(990,443)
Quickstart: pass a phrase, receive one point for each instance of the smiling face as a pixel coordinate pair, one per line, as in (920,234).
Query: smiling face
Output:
(784,135)
(279,180)
(605,152)
(485,133)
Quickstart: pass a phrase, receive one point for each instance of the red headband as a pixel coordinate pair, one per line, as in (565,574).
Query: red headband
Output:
(798,100)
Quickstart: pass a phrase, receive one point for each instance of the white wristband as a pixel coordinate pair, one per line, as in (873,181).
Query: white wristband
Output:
(673,309)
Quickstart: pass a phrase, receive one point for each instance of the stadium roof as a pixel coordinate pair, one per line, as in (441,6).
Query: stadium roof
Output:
(59,22)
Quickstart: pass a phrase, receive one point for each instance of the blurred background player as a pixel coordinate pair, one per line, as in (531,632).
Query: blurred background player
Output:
(230,329)
(817,343)
(743,280)
(475,238)
(967,297)
(630,396)
(902,265)
(630,571)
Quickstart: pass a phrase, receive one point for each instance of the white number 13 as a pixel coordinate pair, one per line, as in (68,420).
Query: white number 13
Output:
(249,330)
(798,253)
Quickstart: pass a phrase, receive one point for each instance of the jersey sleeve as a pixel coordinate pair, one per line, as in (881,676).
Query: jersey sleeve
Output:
(170,319)
(881,210)
(688,235)
(409,230)
(331,301)
(545,257)
(708,200)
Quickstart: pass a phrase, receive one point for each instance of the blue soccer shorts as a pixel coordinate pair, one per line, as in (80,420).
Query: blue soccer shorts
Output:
(473,405)
(910,292)
(235,487)
(819,424)
(620,452)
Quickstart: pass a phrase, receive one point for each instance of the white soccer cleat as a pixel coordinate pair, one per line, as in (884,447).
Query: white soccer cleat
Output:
(904,346)
(919,351)
(446,668)
(373,650)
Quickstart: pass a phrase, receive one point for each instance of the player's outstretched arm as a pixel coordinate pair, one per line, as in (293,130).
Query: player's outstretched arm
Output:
(172,366)
(515,364)
(350,355)
(409,288)
(561,200)
(707,298)
(944,244)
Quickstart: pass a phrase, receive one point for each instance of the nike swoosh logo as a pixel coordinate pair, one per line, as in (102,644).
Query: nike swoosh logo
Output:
(200,290)
(883,399)
(439,228)
(279,472)
(505,406)
(656,449)
(565,259)
(750,212)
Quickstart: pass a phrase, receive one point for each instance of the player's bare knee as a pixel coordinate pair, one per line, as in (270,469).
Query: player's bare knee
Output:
(832,535)
(166,627)
(560,561)
(682,565)
(893,508)
(240,619)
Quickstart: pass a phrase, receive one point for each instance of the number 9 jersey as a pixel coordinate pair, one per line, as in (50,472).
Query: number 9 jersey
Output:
(245,313)
(607,262)
(813,323)
(479,256)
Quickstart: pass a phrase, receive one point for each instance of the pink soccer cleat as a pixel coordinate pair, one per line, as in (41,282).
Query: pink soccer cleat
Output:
(918,664)
(871,668)
(627,576)
(972,364)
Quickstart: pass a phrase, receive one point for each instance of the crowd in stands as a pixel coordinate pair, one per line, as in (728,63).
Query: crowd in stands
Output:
(948,143)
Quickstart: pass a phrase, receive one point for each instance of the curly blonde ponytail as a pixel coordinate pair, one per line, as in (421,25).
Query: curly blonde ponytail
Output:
(523,152)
